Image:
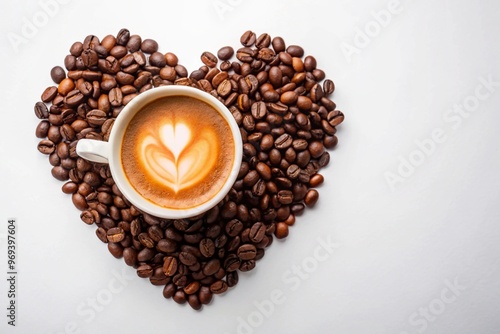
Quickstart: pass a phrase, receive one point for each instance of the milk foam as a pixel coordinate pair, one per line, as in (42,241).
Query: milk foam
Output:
(177,157)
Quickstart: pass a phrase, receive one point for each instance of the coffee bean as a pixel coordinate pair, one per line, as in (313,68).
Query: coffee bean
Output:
(207,247)
(179,297)
(289,97)
(284,141)
(281,231)
(205,295)
(330,141)
(115,234)
(311,197)
(257,232)
(316,148)
(285,196)
(78,200)
(295,50)
(46,146)
(324,160)
(259,110)
(225,53)
(248,38)
(278,44)
(218,287)
(149,46)
(187,258)
(328,86)
(69,187)
(209,59)
(247,252)
(264,171)
(310,63)
(96,117)
(211,267)
(41,110)
(263,41)
(335,118)
(49,93)
(57,74)
(247,265)
(170,266)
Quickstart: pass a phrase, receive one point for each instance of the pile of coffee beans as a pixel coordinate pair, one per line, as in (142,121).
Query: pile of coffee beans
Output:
(280,100)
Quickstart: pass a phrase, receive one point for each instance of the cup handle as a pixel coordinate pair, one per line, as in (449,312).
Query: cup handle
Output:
(93,150)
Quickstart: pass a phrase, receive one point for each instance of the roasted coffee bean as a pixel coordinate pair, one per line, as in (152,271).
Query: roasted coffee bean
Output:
(41,110)
(170,266)
(295,50)
(285,196)
(218,287)
(149,46)
(328,86)
(311,197)
(251,178)
(248,38)
(49,93)
(289,97)
(69,187)
(316,148)
(324,160)
(259,188)
(187,258)
(57,74)
(46,146)
(247,265)
(281,231)
(278,44)
(115,234)
(211,267)
(205,295)
(303,158)
(330,141)
(207,247)
(234,227)
(179,297)
(284,141)
(259,110)
(257,232)
(247,252)
(78,200)
(145,271)
(225,53)
(264,171)
(209,59)
(293,171)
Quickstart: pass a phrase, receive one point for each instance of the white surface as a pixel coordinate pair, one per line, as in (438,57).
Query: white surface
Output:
(396,250)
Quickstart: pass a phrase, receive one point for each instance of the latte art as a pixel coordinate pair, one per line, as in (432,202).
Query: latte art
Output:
(176,158)
(177,152)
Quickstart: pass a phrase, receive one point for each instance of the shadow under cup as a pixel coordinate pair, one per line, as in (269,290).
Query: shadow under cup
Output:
(174,151)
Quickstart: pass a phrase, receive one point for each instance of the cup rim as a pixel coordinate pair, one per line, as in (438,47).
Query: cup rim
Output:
(116,138)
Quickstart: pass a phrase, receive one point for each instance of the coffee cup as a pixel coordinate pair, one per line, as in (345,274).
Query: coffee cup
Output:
(174,151)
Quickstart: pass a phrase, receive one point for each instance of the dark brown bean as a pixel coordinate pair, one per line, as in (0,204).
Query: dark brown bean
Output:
(149,46)
(247,252)
(328,86)
(225,53)
(248,38)
(170,266)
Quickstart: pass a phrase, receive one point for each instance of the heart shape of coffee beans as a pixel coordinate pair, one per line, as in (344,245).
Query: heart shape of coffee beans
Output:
(278,97)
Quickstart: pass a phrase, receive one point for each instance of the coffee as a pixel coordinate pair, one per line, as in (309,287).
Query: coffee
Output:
(177,152)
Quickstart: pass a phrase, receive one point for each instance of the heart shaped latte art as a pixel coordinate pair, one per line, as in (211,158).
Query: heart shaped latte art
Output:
(176,157)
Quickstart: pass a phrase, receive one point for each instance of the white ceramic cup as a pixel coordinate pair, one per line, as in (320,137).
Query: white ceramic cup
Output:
(110,152)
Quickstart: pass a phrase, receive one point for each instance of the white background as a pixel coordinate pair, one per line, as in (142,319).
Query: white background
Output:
(397,249)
